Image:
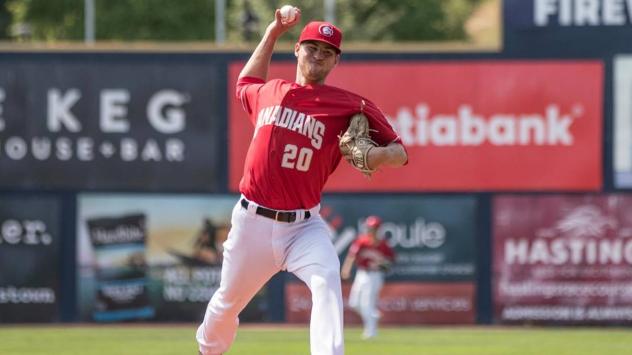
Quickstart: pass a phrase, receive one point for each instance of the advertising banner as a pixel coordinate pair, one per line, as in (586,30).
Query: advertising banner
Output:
(400,303)
(468,125)
(119,248)
(152,257)
(563,259)
(434,239)
(29,259)
(576,27)
(117,123)
(622,130)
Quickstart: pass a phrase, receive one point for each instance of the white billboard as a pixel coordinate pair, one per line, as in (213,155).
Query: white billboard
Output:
(623,121)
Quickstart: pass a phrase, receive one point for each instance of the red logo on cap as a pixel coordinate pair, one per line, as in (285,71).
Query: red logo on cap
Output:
(326,30)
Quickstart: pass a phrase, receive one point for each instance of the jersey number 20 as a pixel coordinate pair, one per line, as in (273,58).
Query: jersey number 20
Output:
(294,158)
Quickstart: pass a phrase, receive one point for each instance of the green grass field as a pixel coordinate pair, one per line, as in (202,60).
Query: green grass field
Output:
(269,340)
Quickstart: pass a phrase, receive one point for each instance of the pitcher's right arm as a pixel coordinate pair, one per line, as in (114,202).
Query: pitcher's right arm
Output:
(259,62)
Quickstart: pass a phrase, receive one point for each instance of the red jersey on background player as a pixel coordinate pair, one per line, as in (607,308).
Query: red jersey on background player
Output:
(276,223)
(372,257)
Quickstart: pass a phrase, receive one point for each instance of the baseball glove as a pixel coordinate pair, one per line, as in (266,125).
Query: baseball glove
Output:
(385,267)
(356,143)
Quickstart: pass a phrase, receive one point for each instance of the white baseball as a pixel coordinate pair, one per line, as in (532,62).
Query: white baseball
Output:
(288,13)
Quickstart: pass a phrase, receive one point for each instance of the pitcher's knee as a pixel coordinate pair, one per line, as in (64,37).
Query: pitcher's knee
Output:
(325,280)
(226,307)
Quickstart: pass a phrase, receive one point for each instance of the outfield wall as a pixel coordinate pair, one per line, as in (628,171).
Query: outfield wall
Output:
(118,172)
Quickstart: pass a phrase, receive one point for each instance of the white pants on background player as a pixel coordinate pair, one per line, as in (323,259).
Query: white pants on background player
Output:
(257,248)
(363,298)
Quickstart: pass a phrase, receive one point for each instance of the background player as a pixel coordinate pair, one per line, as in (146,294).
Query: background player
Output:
(276,223)
(373,257)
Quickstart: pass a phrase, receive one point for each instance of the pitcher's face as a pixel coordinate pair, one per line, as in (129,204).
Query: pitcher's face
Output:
(315,60)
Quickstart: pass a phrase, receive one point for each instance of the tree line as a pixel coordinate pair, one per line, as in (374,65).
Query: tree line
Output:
(193,20)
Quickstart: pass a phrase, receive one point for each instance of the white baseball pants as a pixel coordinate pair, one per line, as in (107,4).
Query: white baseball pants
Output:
(257,248)
(363,298)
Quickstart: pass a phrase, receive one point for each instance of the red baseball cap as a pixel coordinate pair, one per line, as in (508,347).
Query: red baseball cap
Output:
(323,32)
(373,221)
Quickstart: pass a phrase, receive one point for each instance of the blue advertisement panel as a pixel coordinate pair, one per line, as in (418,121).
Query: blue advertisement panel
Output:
(152,257)
(432,279)
(29,259)
(133,122)
(573,27)
(433,237)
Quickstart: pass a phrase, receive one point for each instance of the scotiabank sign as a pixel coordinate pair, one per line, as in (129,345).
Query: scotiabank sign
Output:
(494,125)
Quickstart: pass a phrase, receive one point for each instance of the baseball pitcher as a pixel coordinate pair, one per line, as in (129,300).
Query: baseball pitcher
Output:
(300,137)
(373,257)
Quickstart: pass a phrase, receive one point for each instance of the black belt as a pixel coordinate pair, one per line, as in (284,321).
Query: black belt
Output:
(281,216)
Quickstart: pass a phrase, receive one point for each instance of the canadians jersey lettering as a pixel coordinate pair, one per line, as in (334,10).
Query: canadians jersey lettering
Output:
(294,148)
(369,256)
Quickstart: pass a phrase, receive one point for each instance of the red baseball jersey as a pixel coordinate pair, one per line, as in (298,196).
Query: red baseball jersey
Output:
(294,148)
(369,256)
